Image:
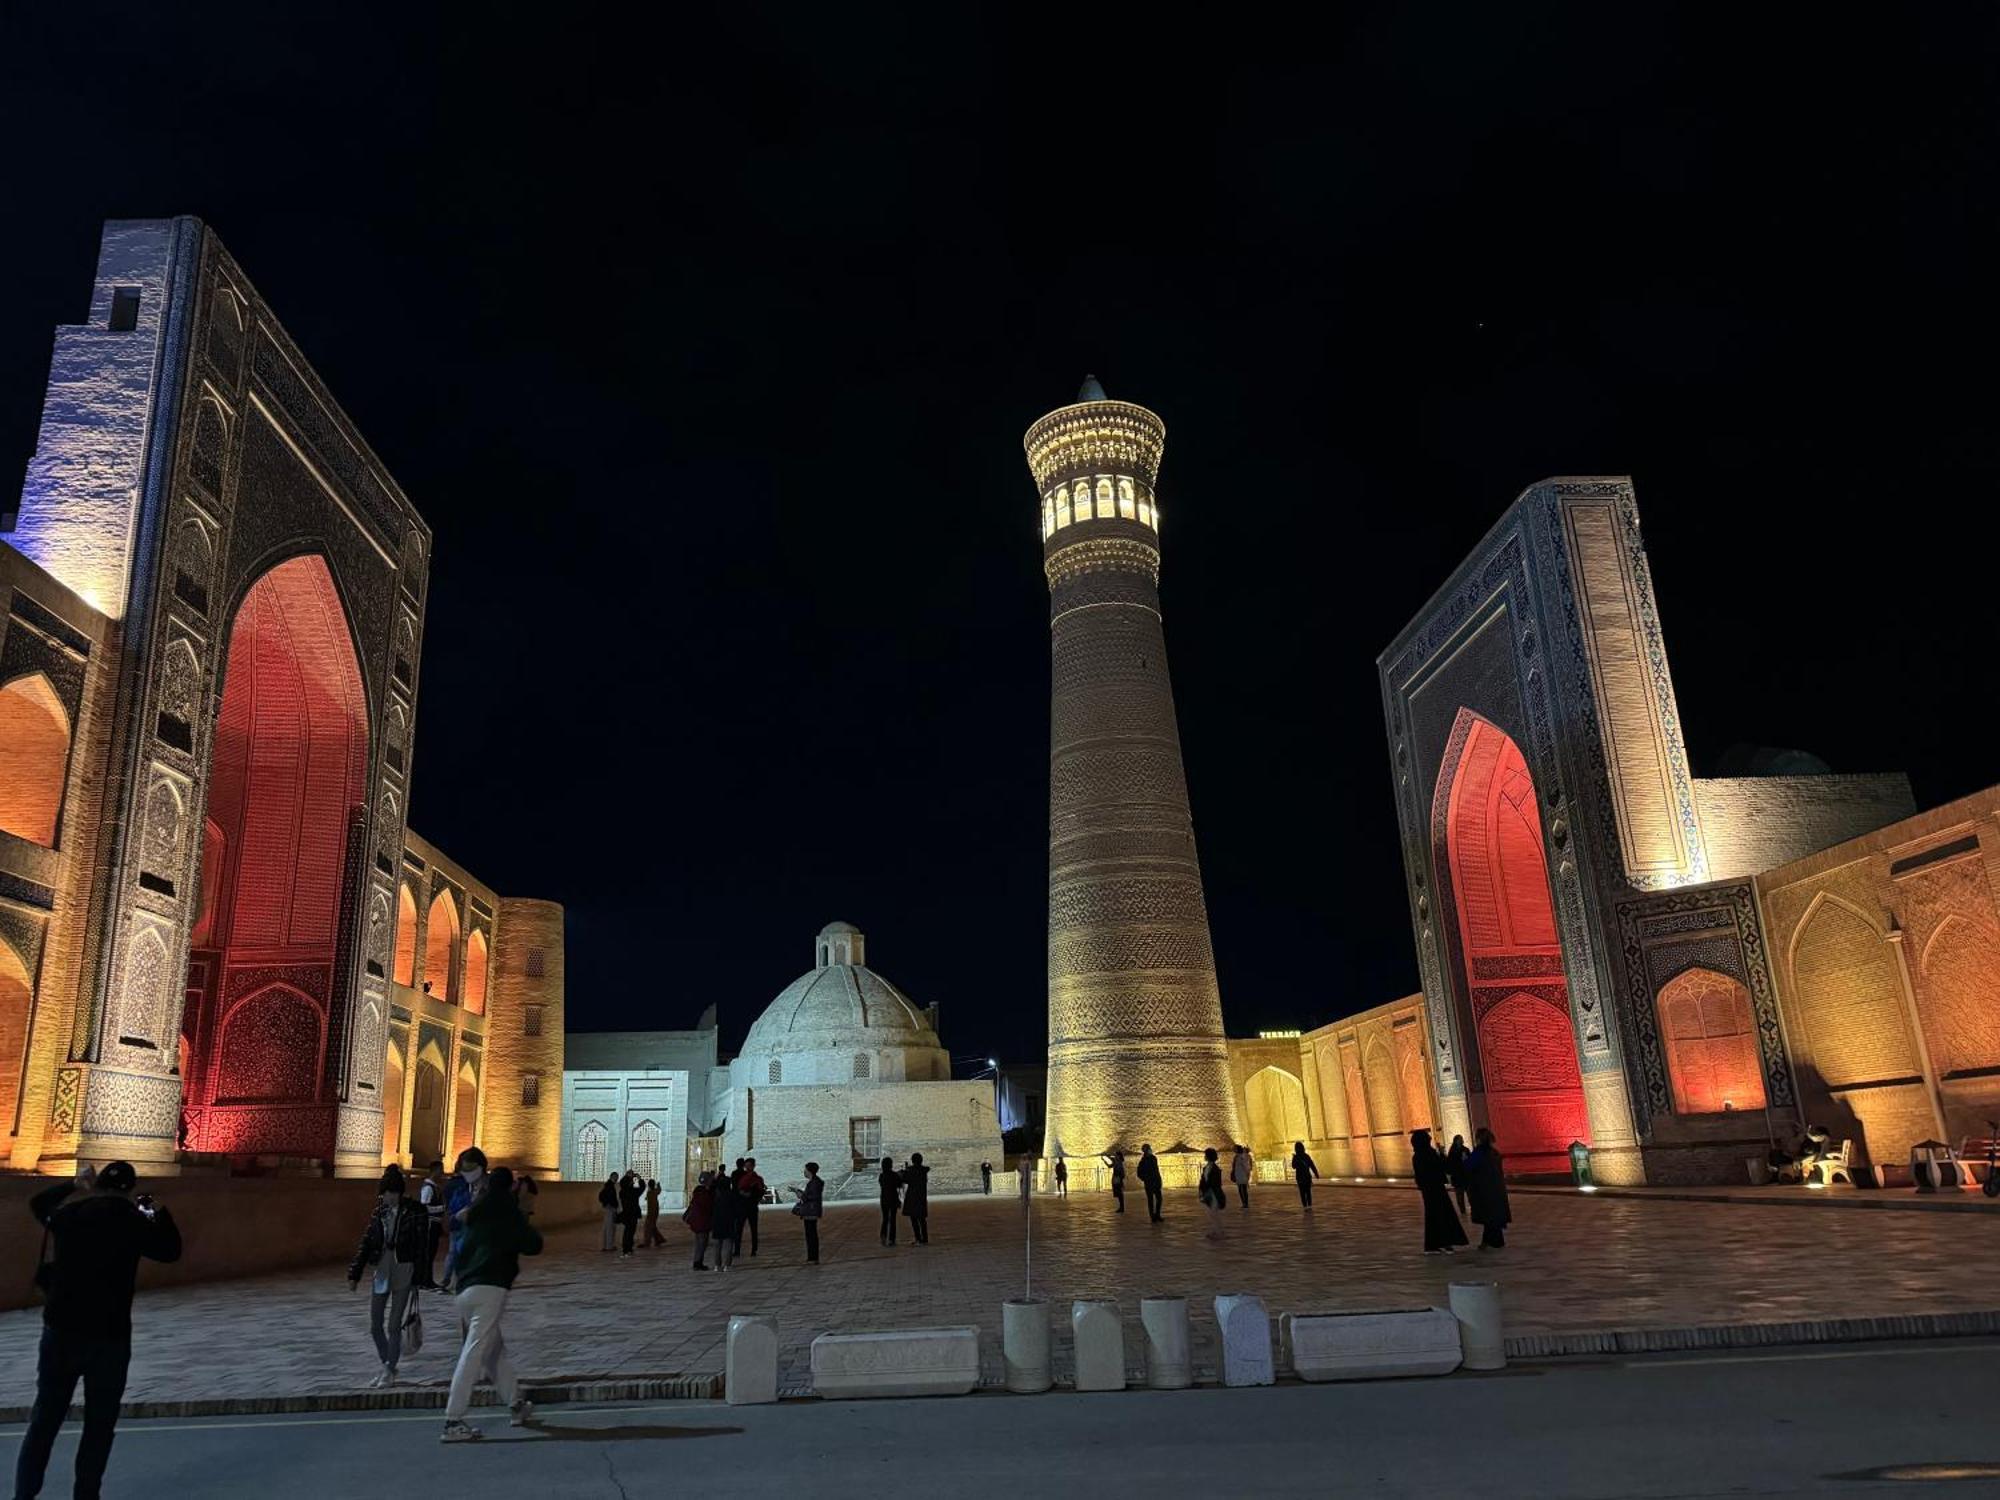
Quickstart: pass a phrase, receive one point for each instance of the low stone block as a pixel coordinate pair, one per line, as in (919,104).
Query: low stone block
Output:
(907,1362)
(1169,1360)
(1372,1345)
(1099,1335)
(1245,1329)
(750,1360)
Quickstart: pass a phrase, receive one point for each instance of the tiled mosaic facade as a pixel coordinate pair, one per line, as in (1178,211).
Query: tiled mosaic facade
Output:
(216,591)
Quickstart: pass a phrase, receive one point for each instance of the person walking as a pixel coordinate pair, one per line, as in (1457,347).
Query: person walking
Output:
(1454,1165)
(892,1198)
(986,1178)
(699,1215)
(726,1222)
(1062,1178)
(94,1234)
(1116,1161)
(1485,1170)
(468,1172)
(751,1186)
(431,1198)
(1304,1170)
(917,1198)
(1213,1197)
(1443,1234)
(393,1244)
(497,1234)
(1148,1173)
(811,1201)
(1239,1173)
(630,1190)
(654,1239)
(607,1200)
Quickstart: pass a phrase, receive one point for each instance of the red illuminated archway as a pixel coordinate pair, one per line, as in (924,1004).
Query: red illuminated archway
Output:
(287,772)
(404,968)
(441,948)
(1517,991)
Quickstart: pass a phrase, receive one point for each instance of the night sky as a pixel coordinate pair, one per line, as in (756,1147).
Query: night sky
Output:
(706,347)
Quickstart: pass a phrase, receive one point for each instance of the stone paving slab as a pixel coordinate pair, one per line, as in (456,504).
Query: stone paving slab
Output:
(1575,1266)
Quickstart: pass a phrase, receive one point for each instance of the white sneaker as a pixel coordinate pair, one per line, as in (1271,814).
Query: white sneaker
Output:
(386,1378)
(521,1413)
(460,1432)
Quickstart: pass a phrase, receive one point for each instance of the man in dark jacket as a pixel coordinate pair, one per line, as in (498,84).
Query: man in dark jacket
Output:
(1149,1179)
(751,1186)
(98,1236)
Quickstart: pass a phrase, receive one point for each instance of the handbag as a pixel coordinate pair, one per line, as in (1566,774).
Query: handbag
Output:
(413,1328)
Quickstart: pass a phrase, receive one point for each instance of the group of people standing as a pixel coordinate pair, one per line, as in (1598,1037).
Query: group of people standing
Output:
(1476,1177)
(724,1205)
(625,1201)
(907,1191)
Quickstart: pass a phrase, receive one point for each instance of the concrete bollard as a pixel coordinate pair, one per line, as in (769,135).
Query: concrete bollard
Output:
(1099,1337)
(1024,1346)
(750,1360)
(1245,1329)
(1476,1305)
(1169,1364)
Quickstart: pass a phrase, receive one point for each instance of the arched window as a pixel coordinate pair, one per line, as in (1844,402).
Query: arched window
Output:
(861,1065)
(1711,1040)
(592,1142)
(777,1071)
(34,759)
(475,973)
(1062,507)
(645,1159)
(405,965)
(1103,499)
(1083,502)
(441,947)
(1127,502)
(1048,518)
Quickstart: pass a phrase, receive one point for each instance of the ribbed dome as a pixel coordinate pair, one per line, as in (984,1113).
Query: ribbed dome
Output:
(823,1020)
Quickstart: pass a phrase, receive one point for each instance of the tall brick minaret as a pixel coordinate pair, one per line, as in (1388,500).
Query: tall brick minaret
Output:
(1136,1051)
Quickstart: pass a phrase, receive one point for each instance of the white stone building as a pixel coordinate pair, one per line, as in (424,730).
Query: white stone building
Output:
(643,1100)
(843,1069)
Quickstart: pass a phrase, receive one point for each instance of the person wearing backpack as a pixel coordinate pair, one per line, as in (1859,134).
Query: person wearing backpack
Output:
(393,1244)
(496,1235)
(98,1232)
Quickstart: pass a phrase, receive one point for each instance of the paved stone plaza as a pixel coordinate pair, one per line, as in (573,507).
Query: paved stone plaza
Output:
(1572,1263)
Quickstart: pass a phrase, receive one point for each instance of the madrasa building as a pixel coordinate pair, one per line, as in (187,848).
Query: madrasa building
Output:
(1675,971)
(221,946)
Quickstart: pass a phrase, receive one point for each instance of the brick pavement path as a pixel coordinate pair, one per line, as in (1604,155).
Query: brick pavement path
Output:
(1572,1263)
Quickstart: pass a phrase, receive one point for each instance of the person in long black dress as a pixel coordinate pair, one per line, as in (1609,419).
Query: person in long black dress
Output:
(1442,1232)
(892,1198)
(1486,1176)
(917,1198)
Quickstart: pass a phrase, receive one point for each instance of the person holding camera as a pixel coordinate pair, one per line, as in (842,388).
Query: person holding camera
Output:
(98,1232)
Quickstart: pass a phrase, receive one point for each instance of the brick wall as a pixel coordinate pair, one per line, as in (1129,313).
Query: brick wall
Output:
(1750,823)
(1886,954)
(786,1126)
(1367,1084)
(46,900)
(527,938)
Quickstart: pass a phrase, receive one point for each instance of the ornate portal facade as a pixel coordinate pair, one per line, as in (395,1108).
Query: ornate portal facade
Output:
(1136,1048)
(218,940)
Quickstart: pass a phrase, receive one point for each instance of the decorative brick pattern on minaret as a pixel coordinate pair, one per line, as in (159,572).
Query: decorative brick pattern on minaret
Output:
(1136,1050)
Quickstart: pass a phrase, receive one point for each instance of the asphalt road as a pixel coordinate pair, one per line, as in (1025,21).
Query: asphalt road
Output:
(1882,1418)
